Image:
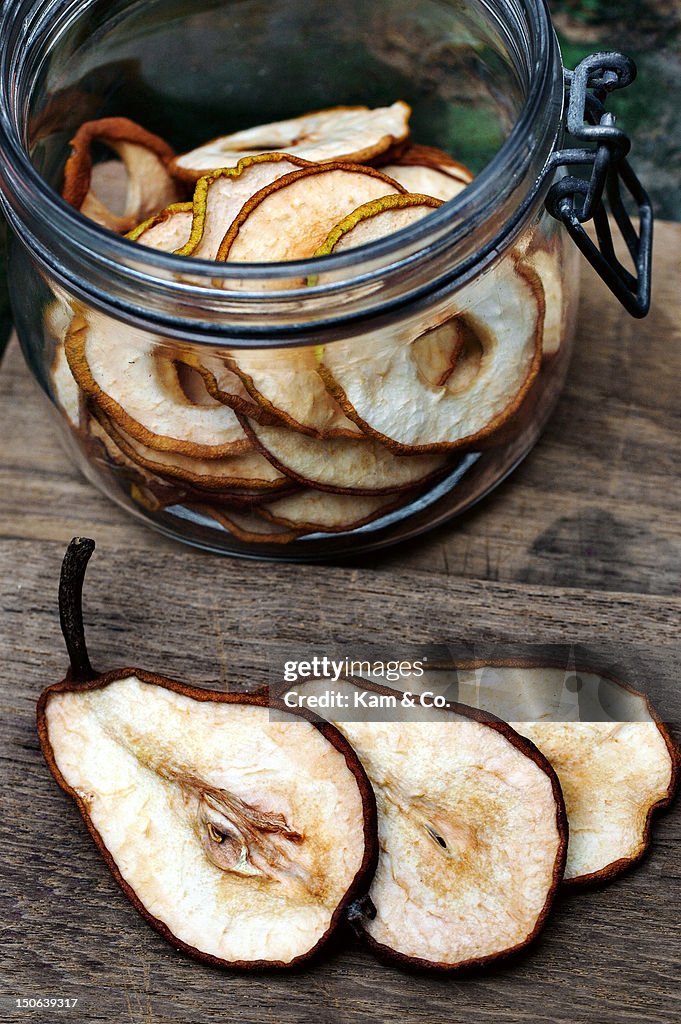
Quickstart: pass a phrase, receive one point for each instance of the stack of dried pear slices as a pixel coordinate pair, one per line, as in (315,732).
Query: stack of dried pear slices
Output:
(245,830)
(274,444)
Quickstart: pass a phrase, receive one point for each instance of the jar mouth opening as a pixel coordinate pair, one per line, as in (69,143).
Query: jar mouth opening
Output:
(455,219)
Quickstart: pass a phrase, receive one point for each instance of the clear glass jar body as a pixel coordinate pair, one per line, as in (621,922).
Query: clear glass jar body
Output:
(295,410)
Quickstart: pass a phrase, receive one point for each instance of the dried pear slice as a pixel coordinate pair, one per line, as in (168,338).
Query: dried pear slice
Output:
(428,181)
(321,512)
(376,219)
(429,171)
(155,487)
(140,390)
(471,826)
(197,228)
(220,196)
(386,396)
(246,471)
(286,385)
(418,155)
(241,839)
(145,157)
(67,394)
(168,230)
(149,490)
(547,266)
(614,773)
(342,465)
(339,133)
(289,219)
(614,776)
(248,527)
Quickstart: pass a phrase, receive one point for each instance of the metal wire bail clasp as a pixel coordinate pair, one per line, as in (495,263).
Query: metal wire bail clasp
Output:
(574,200)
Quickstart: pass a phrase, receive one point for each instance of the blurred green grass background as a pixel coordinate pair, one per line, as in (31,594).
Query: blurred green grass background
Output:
(650,110)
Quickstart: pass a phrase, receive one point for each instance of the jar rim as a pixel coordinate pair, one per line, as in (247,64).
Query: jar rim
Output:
(24,191)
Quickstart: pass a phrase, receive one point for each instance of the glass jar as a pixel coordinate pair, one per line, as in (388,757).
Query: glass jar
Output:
(376,392)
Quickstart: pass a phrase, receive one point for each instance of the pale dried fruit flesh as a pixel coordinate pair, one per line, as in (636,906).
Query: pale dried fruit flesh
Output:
(239,837)
(284,383)
(147,188)
(472,833)
(340,133)
(429,181)
(382,391)
(290,219)
(319,511)
(375,220)
(340,464)
(138,387)
(615,759)
(244,471)
(168,230)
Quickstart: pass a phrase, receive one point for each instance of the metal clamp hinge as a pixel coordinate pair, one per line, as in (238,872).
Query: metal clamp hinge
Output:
(574,200)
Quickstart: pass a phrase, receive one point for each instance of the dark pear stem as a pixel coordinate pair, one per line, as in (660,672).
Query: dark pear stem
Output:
(361,909)
(71,607)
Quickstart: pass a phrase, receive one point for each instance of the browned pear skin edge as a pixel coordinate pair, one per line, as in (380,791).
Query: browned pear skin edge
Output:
(526,747)
(202,484)
(169,491)
(329,488)
(157,218)
(289,179)
(417,155)
(357,156)
(200,198)
(617,867)
(523,415)
(369,210)
(404,498)
(248,407)
(267,412)
(74,346)
(78,167)
(471,440)
(370,858)
(246,536)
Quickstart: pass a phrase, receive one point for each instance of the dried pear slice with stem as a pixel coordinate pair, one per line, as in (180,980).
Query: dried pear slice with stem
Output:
(321,512)
(616,760)
(339,133)
(289,219)
(139,389)
(471,826)
(245,471)
(239,838)
(145,157)
(383,393)
(342,465)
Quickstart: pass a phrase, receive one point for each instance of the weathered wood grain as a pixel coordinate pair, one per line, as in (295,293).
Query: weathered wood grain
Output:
(582,545)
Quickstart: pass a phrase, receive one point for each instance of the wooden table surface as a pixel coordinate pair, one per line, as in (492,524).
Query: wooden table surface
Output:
(582,544)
